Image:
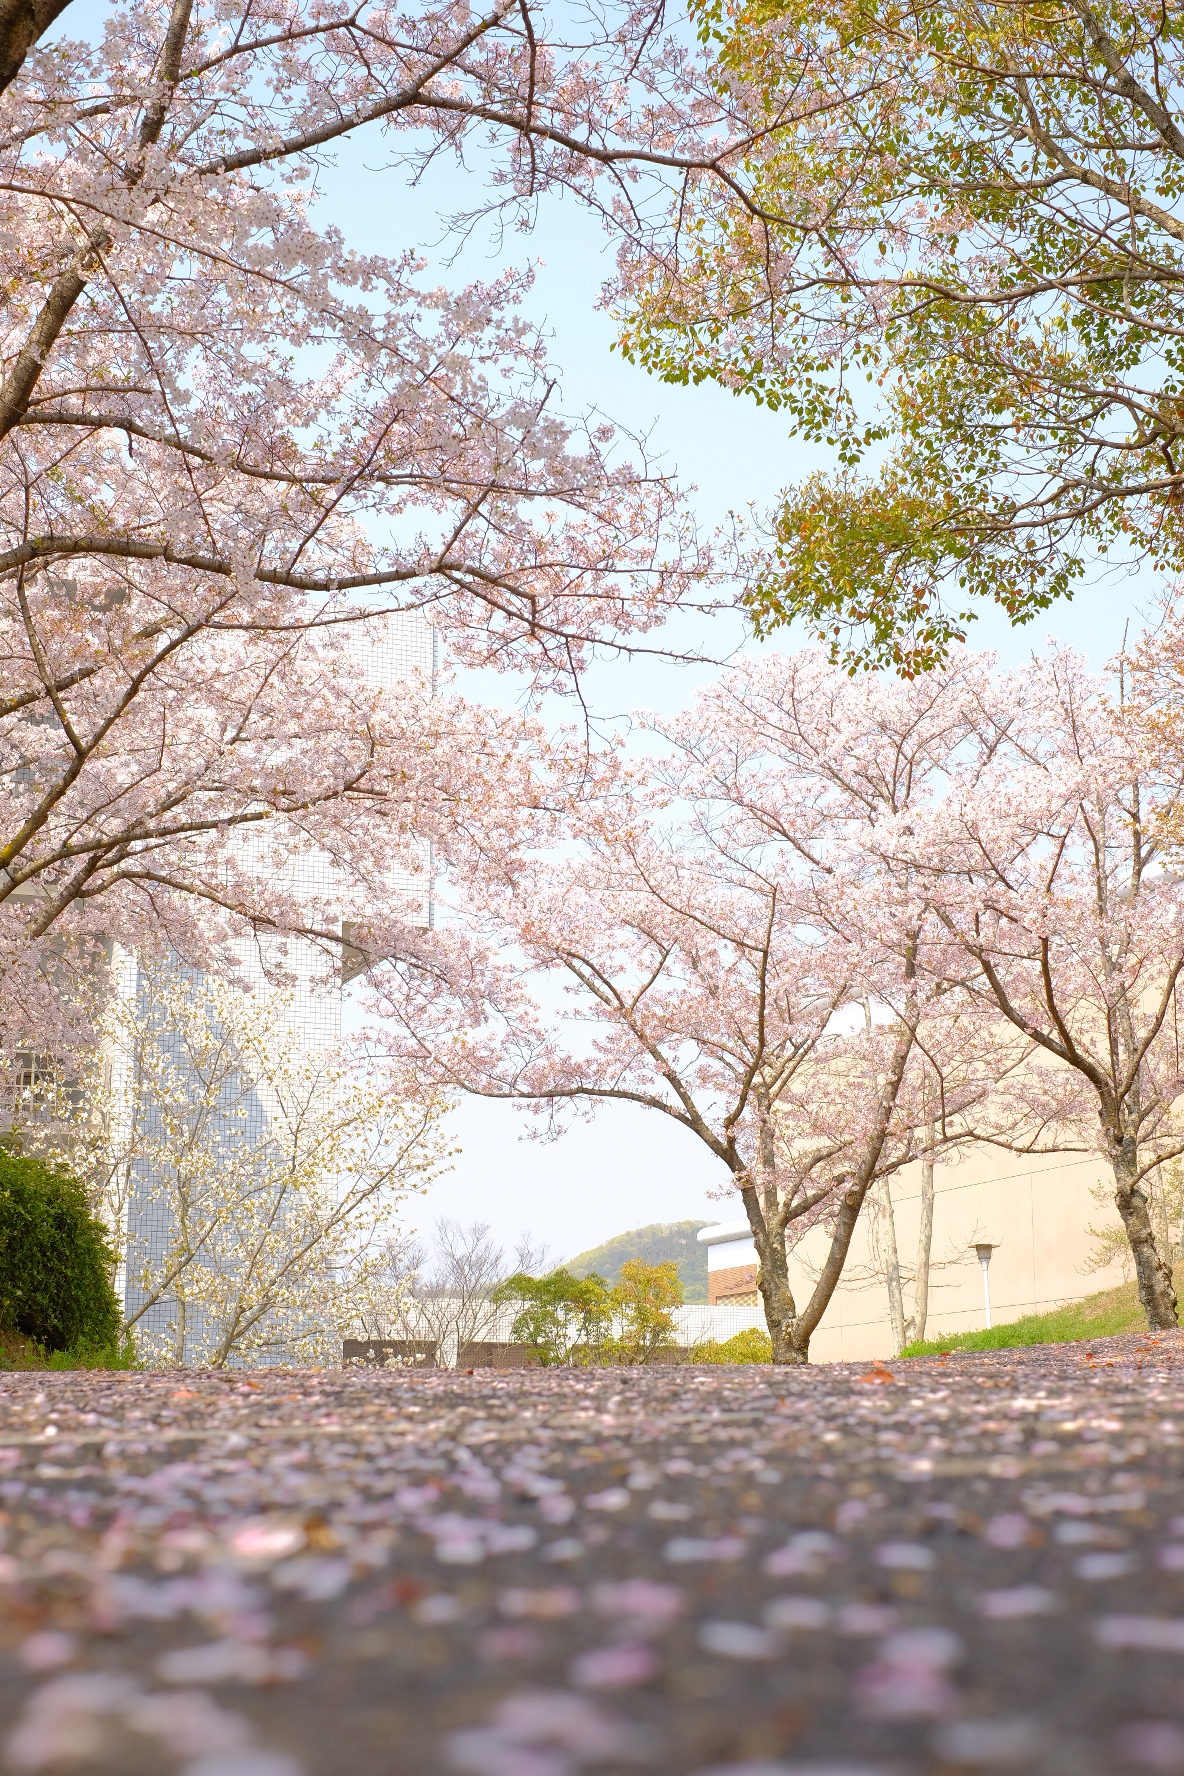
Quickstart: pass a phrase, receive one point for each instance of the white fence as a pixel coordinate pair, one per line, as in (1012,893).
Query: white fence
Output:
(697,1323)
(694,1323)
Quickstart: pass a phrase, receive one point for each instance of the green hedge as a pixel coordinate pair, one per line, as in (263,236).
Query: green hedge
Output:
(55,1262)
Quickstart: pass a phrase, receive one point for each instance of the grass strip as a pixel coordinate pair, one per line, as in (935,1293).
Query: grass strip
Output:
(1096,1316)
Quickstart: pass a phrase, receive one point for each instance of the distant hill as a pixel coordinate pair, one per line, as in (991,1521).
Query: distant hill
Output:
(658,1243)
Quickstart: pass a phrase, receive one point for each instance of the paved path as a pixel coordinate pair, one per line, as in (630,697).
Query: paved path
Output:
(972,1564)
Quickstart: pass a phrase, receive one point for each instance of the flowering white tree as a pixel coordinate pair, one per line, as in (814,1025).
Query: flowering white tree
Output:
(745,973)
(253,1185)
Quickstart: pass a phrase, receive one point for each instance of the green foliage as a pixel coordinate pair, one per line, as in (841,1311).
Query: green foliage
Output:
(95,1357)
(1098,1316)
(852,554)
(752,1346)
(565,1318)
(17,1353)
(661,1242)
(581,1320)
(55,1262)
(995,293)
(643,1304)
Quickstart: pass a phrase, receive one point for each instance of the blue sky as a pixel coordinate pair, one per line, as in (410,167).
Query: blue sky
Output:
(626,1167)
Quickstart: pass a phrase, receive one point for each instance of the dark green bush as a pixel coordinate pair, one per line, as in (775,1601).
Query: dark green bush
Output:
(55,1262)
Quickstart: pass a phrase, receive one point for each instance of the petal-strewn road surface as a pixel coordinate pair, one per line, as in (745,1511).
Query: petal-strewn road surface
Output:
(965,1564)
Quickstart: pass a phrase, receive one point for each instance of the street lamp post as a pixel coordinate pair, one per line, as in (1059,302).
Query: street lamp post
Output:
(984,1258)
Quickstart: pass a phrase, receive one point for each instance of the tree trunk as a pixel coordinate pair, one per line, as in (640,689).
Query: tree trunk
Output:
(892,1273)
(772,1281)
(22,22)
(1156,1290)
(916,1327)
(781,1317)
(1159,1212)
(906,1327)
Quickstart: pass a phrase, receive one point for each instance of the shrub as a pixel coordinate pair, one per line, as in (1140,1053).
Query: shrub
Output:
(17,1353)
(580,1320)
(643,1310)
(55,1263)
(89,1357)
(751,1346)
(565,1318)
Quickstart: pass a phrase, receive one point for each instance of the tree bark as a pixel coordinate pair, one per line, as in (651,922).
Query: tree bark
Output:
(772,1281)
(1156,1290)
(924,1245)
(64,292)
(790,1346)
(892,1275)
(22,22)
(1159,1214)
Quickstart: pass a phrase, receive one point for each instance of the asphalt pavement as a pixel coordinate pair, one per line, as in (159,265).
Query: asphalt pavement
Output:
(939,1566)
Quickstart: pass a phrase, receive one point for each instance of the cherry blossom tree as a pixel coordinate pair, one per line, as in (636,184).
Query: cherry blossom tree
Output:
(1030,813)
(227,439)
(707,942)
(1047,870)
(874,753)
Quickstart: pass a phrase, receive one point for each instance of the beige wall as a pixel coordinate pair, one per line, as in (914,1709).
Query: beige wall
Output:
(1036,1212)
